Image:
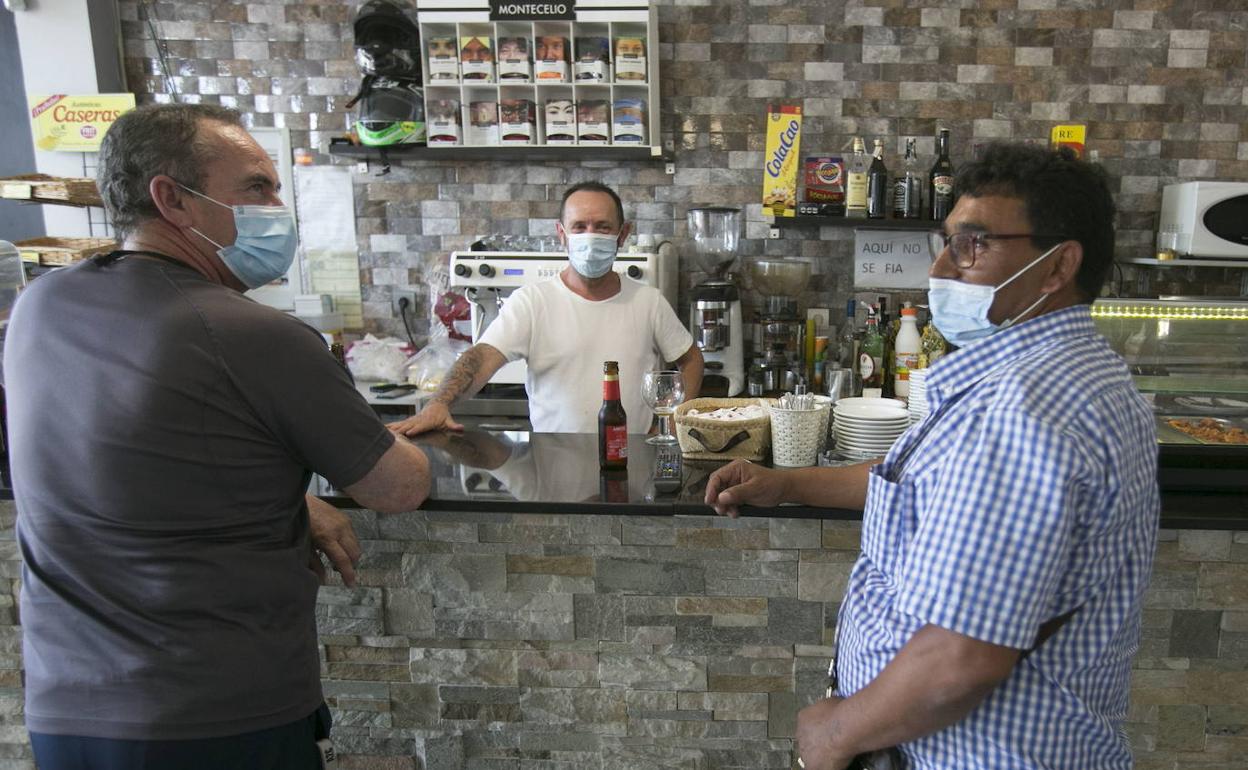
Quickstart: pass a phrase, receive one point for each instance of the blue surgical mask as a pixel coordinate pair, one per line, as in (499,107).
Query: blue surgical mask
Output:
(960,310)
(264,247)
(592,254)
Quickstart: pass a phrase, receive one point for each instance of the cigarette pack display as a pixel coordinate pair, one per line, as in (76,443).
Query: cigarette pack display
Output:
(630,58)
(551,63)
(517,121)
(483,123)
(444,122)
(443,59)
(592,58)
(514,62)
(593,121)
(560,121)
(825,183)
(476,58)
(628,121)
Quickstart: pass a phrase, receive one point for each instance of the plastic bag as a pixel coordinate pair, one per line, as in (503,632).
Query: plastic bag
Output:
(375,358)
(427,368)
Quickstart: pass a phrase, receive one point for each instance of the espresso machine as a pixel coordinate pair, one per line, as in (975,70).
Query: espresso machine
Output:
(487,279)
(715,312)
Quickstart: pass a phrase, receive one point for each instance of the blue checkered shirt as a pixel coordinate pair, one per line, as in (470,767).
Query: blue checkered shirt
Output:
(1028,491)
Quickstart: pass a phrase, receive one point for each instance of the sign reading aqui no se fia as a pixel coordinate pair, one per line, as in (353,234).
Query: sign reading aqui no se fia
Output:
(533,10)
(891,259)
(75,123)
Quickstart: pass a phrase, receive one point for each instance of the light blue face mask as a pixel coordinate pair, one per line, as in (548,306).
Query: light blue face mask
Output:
(592,254)
(265,245)
(960,310)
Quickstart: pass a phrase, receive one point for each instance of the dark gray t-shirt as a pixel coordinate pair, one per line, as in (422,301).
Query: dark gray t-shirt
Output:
(163,430)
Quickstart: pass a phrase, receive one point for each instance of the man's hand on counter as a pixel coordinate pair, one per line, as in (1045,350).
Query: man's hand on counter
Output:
(435,416)
(743,483)
(333,536)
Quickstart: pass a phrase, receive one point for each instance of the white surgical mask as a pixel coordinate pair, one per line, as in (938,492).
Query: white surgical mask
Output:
(592,254)
(960,309)
(265,245)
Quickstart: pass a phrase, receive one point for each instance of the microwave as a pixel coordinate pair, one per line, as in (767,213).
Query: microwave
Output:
(1210,218)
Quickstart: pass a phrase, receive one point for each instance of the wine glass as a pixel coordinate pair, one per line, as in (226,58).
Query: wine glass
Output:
(662,391)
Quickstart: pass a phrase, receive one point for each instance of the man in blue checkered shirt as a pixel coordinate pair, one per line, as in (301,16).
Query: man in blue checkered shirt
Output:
(1025,503)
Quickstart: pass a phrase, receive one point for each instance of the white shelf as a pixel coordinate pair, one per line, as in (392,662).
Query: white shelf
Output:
(1186,262)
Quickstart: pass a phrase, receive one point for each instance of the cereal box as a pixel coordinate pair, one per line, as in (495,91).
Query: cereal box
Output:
(825,183)
(784,134)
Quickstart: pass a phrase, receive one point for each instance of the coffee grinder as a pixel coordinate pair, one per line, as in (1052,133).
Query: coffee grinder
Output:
(715,313)
(779,280)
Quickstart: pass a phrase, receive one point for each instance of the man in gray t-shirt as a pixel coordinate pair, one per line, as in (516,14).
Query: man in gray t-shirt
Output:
(164,428)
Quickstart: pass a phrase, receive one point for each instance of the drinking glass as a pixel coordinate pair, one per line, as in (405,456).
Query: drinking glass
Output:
(662,391)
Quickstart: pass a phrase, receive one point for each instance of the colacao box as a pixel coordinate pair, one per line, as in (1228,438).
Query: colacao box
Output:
(784,134)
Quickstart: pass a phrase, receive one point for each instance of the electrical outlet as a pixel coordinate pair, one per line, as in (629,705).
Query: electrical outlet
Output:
(361,167)
(401,293)
(670,169)
(774,233)
(822,316)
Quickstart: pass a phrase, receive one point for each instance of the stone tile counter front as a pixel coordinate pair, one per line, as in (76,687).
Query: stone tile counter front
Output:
(535,615)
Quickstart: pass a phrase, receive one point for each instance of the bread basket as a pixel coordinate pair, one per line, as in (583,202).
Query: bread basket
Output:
(704,439)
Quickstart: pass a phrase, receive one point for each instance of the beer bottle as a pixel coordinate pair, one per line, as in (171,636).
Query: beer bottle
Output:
(612,422)
(612,486)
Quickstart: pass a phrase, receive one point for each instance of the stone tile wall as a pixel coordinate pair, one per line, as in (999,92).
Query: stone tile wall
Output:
(533,642)
(1160,83)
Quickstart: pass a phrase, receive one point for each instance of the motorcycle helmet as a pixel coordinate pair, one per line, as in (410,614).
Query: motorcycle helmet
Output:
(387,41)
(392,111)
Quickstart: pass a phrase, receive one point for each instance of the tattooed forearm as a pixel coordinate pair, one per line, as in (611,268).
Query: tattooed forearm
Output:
(460,377)
(469,374)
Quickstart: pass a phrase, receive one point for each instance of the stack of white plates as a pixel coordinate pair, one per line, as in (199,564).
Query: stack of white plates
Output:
(918,394)
(868,425)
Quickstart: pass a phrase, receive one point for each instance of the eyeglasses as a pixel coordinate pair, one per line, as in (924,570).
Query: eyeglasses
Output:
(968,246)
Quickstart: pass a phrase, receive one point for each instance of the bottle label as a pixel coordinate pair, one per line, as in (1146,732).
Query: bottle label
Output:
(942,185)
(616,439)
(610,389)
(866,366)
(903,363)
(856,191)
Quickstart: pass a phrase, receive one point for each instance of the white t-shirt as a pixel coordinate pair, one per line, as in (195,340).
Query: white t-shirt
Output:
(564,338)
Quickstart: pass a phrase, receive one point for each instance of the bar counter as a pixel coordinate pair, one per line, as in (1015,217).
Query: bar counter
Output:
(1203,487)
(535,613)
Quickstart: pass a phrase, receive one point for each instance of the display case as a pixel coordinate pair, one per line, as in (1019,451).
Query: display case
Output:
(589,79)
(1189,358)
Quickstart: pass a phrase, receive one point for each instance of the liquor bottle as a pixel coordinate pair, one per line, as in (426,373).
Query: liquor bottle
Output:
(877,183)
(856,186)
(933,343)
(940,180)
(612,422)
(871,358)
(908,189)
(848,341)
(888,332)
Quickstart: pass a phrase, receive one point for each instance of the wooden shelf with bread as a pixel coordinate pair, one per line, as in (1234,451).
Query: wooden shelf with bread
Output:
(41,254)
(579,83)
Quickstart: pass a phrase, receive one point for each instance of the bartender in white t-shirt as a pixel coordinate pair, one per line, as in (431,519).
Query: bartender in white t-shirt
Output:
(565,327)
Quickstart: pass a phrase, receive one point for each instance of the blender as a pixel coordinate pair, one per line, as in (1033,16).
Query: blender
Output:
(715,313)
